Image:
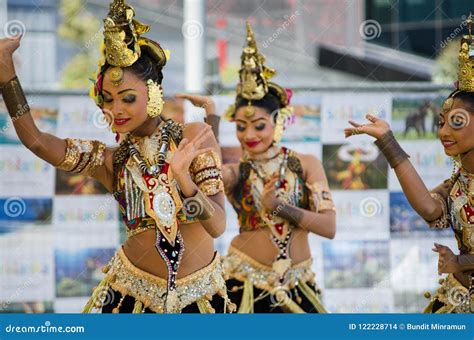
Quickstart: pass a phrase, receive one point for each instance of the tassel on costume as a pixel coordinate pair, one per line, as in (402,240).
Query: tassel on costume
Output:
(246,305)
(138,307)
(93,299)
(205,306)
(312,297)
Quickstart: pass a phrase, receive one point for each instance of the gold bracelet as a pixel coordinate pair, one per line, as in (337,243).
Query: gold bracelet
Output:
(198,206)
(15,99)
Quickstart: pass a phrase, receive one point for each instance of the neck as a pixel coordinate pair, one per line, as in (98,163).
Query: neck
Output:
(467,161)
(147,128)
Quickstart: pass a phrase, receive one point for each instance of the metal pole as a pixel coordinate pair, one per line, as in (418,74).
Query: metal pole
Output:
(3,16)
(194,33)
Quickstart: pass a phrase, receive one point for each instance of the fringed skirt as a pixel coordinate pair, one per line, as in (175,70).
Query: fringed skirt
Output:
(451,297)
(256,288)
(128,289)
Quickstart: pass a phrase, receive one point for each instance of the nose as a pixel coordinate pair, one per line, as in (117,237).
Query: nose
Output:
(250,135)
(116,108)
(444,131)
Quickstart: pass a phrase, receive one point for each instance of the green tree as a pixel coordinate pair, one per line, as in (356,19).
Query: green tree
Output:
(447,63)
(83,30)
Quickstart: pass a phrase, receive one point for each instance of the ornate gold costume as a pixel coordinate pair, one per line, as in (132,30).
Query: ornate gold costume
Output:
(143,184)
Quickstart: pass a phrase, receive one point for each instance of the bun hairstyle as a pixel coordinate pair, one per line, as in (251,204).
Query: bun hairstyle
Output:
(269,103)
(466,97)
(146,67)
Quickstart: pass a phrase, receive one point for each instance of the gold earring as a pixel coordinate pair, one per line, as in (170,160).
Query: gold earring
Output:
(155,102)
(279,127)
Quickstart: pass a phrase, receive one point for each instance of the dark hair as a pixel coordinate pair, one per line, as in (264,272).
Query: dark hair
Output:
(466,97)
(144,68)
(269,103)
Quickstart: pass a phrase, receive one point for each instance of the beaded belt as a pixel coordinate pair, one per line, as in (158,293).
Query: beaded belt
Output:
(240,266)
(150,291)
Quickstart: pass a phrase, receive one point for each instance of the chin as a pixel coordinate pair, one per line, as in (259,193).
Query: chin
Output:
(258,150)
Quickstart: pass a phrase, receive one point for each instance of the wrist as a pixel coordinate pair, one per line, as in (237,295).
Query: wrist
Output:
(7,78)
(391,149)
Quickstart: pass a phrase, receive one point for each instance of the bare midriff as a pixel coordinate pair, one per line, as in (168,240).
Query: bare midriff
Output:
(258,245)
(199,251)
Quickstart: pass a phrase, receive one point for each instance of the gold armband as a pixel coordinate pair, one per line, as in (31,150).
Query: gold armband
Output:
(320,197)
(206,172)
(442,221)
(83,156)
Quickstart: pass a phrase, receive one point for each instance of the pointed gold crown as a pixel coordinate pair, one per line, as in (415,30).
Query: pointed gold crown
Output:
(253,73)
(122,37)
(254,76)
(466,60)
(123,44)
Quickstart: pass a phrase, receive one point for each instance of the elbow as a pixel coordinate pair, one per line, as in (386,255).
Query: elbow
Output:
(332,232)
(216,233)
(36,148)
(331,228)
(217,230)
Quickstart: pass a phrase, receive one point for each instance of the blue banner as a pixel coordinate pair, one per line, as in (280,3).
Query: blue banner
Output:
(286,326)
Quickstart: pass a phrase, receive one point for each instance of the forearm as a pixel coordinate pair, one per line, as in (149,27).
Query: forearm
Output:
(323,224)
(214,121)
(416,192)
(45,146)
(215,225)
(411,183)
(209,212)
(466,262)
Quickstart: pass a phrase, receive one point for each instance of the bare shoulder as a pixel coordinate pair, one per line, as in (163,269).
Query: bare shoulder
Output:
(312,167)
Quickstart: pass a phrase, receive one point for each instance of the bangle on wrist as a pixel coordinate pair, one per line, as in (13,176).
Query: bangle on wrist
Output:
(391,149)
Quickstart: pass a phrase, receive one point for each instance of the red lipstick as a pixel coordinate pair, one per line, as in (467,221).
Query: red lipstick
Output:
(121,121)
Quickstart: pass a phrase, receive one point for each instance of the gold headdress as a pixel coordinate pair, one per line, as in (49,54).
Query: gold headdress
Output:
(123,45)
(466,60)
(254,84)
(465,81)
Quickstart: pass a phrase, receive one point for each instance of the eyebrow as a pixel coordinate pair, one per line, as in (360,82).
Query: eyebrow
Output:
(252,121)
(120,92)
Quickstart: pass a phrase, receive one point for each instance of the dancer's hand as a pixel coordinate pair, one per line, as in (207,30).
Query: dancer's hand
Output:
(187,151)
(269,199)
(7,47)
(377,127)
(204,102)
(447,261)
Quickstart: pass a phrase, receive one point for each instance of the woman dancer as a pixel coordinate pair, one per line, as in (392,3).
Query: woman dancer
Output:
(451,204)
(166,178)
